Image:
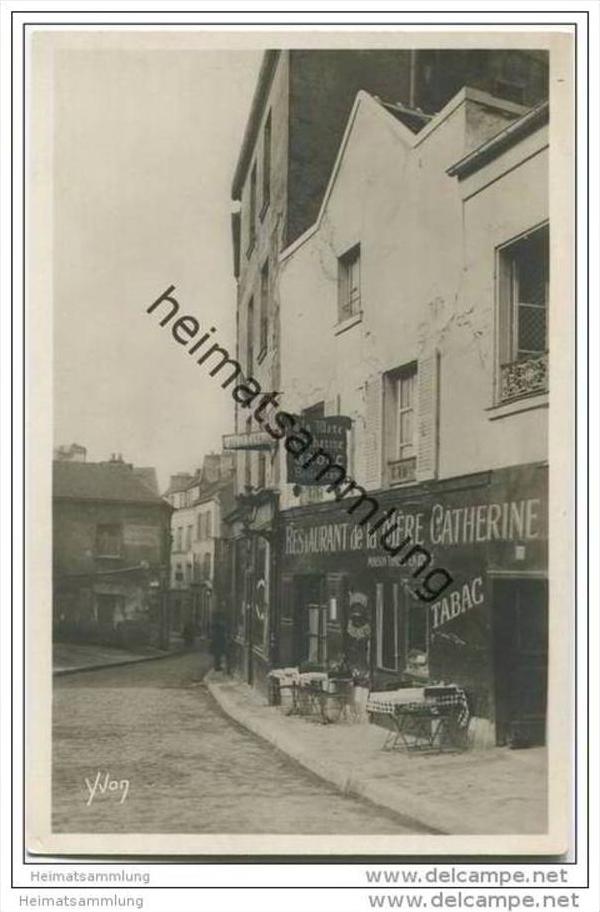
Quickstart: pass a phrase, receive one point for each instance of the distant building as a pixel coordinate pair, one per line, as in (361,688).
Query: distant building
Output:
(110,552)
(74,452)
(198,557)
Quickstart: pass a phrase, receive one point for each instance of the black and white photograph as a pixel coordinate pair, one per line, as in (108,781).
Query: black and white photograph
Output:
(301,310)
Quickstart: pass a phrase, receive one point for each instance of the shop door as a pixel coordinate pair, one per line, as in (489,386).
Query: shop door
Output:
(521,660)
(311,621)
(249,606)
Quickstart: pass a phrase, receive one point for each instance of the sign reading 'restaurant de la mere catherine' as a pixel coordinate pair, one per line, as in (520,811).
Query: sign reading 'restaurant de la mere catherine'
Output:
(497,513)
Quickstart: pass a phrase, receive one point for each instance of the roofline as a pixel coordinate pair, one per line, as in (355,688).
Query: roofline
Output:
(412,140)
(534,119)
(406,135)
(263,84)
(159,502)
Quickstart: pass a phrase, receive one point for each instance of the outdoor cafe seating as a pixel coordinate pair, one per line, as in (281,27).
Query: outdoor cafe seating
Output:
(432,717)
(428,718)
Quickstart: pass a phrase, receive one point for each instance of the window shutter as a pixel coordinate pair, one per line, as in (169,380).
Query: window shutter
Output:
(427,417)
(372,434)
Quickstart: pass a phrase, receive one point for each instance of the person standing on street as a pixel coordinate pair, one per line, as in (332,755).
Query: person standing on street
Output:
(218,643)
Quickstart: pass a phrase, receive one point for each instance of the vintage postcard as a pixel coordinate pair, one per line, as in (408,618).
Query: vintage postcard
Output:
(300,327)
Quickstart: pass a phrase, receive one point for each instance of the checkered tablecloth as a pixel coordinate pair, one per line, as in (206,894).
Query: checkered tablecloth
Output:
(386,701)
(285,676)
(411,699)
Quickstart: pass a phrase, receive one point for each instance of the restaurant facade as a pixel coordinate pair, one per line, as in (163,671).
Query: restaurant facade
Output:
(413,314)
(452,588)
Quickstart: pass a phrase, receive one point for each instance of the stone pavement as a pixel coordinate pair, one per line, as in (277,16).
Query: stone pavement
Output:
(184,765)
(478,792)
(68,658)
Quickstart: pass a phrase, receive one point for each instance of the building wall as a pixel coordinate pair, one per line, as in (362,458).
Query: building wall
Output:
(501,201)
(270,234)
(145,529)
(323,86)
(109,599)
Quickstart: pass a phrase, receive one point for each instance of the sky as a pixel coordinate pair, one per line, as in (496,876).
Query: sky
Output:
(145,146)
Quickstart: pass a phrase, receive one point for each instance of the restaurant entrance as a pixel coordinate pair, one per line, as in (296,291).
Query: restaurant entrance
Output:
(310,620)
(520,621)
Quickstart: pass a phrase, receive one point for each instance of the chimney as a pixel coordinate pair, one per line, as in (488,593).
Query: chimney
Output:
(73,453)
(211,468)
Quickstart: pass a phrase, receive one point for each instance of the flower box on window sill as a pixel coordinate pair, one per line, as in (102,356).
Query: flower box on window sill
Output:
(527,377)
(401,471)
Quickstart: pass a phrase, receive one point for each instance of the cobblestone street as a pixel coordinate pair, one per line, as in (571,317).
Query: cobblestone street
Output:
(189,769)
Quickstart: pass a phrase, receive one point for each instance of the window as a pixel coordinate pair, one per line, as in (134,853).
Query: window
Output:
(264,309)
(109,540)
(178,538)
(402,630)
(199,527)
(208,525)
(400,388)
(386,609)
(523,315)
(349,284)
(206,566)
(188,538)
(252,211)
(250,338)
(266,166)
(262,470)
(316,634)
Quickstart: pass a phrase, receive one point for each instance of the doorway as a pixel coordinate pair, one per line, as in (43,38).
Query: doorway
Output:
(520,625)
(310,621)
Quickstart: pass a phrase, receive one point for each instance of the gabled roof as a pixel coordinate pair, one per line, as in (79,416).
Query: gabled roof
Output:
(115,482)
(411,126)
(403,132)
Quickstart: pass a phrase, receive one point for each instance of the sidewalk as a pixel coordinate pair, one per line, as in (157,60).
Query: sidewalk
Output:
(68,658)
(479,792)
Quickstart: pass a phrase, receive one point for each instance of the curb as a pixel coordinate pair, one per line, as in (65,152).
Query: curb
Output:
(78,669)
(399,800)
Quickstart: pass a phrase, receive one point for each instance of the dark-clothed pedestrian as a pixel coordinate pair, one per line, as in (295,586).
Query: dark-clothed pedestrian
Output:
(218,641)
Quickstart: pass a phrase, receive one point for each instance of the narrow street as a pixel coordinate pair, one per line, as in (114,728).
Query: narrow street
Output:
(189,769)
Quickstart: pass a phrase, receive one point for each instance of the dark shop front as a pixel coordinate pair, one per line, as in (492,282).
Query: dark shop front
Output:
(449,587)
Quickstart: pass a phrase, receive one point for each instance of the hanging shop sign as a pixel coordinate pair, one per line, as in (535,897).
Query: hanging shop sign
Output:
(326,446)
(257,440)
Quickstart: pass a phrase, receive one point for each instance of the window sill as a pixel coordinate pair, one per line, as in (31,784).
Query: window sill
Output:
(348,323)
(402,484)
(515,406)
(264,209)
